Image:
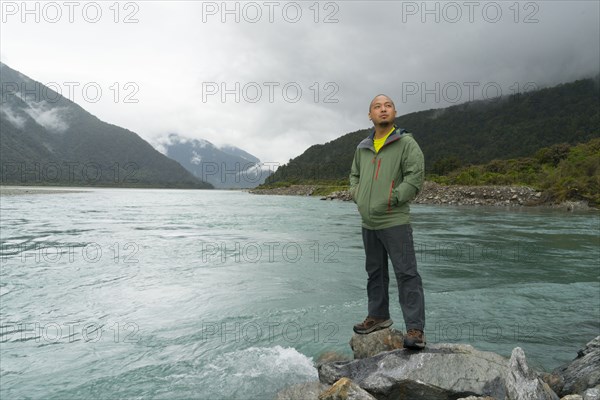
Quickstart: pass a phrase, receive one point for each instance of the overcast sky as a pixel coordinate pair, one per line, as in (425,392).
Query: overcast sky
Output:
(276,77)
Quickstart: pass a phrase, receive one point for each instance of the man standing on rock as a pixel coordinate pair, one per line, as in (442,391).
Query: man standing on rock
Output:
(387,173)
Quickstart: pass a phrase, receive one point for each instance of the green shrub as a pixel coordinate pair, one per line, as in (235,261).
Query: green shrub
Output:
(564,172)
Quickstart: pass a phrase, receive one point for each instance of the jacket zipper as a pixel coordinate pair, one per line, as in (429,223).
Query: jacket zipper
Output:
(390,196)
(377,172)
(370,190)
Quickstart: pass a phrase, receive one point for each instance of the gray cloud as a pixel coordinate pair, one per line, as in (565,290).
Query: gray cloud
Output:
(12,117)
(44,114)
(376,46)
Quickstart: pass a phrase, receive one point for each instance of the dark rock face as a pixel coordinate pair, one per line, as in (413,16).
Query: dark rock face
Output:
(583,372)
(554,381)
(374,343)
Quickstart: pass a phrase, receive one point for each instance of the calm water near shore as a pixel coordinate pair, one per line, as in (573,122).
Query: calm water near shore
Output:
(131,293)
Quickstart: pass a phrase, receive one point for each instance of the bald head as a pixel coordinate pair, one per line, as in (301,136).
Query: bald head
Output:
(382,112)
(381,98)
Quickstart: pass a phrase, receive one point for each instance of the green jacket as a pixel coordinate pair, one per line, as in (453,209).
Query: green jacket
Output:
(382,184)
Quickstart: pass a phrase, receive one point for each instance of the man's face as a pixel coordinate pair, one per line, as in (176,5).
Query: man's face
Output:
(382,111)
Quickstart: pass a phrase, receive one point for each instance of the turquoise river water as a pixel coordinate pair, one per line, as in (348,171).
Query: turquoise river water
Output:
(139,293)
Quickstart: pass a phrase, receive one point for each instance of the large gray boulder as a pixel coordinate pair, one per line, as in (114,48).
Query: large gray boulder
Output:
(441,372)
(436,373)
(374,343)
(583,372)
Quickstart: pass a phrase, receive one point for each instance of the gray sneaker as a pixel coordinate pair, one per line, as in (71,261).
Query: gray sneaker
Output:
(372,324)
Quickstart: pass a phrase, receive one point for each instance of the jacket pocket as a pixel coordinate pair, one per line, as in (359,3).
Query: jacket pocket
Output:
(384,202)
(361,200)
(354,192)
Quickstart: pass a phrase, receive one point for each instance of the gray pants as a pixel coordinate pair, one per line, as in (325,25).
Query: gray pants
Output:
(397,242)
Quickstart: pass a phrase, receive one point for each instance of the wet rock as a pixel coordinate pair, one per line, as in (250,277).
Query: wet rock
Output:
(374,343)
(302,391)
(345,389)
(331,356)
(583,372)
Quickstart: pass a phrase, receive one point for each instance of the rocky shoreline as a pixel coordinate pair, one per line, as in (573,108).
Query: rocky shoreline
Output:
(29,190)
(383,370)
(292,190)
(459,195)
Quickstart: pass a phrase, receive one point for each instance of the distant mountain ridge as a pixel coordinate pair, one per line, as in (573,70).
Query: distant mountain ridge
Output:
(236,151)
(225,167)
(471,133)
(46,139)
